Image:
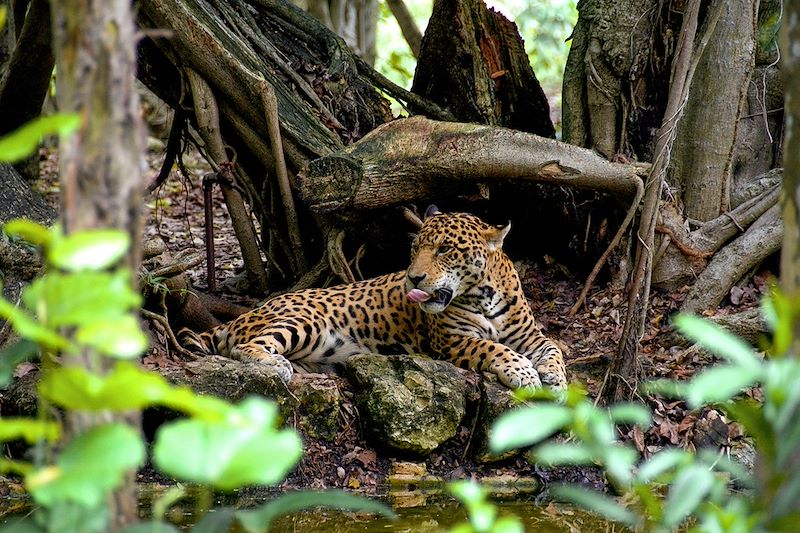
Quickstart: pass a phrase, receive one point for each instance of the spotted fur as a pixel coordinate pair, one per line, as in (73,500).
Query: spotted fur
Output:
(474,314)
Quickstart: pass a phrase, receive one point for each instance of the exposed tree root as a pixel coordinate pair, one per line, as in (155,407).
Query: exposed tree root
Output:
(732,262)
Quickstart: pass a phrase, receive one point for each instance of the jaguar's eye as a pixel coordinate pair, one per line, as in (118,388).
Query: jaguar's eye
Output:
(443,250)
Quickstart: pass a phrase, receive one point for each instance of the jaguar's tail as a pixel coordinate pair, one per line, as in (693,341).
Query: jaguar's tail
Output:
(197,342)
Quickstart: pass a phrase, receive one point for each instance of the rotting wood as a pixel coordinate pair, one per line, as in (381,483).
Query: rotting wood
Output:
(472,61)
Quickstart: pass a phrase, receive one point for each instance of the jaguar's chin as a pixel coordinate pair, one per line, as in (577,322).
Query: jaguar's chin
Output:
(438,302)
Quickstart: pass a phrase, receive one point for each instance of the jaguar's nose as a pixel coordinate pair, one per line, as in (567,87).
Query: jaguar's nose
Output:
(416,280)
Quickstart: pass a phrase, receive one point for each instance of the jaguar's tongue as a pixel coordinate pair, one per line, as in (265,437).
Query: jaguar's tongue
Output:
(418,296)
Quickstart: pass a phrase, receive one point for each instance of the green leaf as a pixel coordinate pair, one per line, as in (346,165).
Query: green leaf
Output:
(30,329)
(552,453)
(691,486)
(199,406)
(527,425)
(163,503)
(596,502)
(597,421)
(28,230)
(661,462)
(242,449)
(619,460)
(120,337)
(16,467)
(30,429)
(24,141)
(12,355)
(258,520)
(718,384)
(90,467)
(718,341)
(630,413)
(508,524)
(482,515)
(467,492)
(125,388)
(69,517)
(665,387)
(89,250)
(81,298)
(768,311)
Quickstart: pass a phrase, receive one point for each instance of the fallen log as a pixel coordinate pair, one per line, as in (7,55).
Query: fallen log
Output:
(416,158)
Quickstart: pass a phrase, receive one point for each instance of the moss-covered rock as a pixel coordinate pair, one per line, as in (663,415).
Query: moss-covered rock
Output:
(410,404)
(494,401)
(320,403)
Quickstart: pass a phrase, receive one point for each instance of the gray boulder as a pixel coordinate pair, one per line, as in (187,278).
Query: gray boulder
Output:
(409,404)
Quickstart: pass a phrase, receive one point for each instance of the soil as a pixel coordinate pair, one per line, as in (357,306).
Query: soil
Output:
(174,214)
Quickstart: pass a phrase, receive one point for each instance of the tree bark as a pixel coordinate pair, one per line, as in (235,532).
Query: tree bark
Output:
(790,257)
(703,153)
(415,159)
(101,163)
(617,75)
(472,61)
(622,377)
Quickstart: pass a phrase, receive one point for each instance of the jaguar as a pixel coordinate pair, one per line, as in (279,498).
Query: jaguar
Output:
(460,299)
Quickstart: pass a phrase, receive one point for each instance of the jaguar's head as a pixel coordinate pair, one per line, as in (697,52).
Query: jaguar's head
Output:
(449,256)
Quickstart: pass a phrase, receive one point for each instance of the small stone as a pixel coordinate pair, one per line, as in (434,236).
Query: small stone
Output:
(406,468)
(340,473)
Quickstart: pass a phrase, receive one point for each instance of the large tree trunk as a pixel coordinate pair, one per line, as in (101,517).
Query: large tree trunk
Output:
(101,164)
(790,258)
(703,154)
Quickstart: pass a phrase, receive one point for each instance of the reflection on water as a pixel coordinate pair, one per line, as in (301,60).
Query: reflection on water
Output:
(441,516)
(420,511)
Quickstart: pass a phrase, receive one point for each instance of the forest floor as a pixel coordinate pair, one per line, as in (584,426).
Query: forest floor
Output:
(174,214)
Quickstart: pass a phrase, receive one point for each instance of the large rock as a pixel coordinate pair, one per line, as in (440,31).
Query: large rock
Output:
(410,404)
(312,401)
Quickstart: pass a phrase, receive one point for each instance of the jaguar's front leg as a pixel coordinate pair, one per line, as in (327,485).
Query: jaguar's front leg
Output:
(512,369)
(265,350)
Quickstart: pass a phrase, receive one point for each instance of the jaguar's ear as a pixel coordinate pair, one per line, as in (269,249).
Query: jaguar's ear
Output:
(431,211)
(496,235)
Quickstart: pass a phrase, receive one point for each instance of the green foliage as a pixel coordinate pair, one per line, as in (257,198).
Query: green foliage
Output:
(89,467)
(674,487)
(229,453)
(482,513)
(22,142)
(85,305)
